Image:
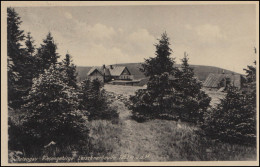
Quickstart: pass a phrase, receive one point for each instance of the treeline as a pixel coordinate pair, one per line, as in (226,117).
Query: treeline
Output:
(176,94)
(46,104)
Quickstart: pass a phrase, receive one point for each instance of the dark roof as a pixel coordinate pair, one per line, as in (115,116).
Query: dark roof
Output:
(213,80)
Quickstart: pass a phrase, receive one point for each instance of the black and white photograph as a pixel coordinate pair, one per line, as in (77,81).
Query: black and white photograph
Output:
(146,82)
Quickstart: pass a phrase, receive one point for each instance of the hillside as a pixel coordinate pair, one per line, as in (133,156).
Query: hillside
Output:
(200,71)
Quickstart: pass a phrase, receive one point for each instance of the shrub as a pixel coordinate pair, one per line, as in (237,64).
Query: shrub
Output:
(94,100)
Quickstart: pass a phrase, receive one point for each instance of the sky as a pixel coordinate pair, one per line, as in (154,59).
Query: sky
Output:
(214,35)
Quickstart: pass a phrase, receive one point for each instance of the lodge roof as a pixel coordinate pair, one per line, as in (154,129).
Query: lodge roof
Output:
(213,80)
(116,70)
(109,71)
(93,69)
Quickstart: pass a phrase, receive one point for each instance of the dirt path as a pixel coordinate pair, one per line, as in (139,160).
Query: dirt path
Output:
(137,141)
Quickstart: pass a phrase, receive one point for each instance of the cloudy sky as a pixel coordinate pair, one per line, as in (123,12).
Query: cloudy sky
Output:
(216,35)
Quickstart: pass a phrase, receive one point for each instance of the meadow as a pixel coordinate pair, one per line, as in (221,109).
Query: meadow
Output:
(160,140)
(154,140)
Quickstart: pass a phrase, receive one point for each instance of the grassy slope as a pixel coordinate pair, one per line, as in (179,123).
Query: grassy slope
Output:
(155,140)
(161,140)
(200,71)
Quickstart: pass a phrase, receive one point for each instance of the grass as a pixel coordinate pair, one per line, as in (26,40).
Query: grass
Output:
(155,140)
(181,142)
(104,138)
(166,140)
(161,140)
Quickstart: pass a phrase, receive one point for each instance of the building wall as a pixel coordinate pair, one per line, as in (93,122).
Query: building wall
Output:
(96,75)
(125,72)
(237,81)
(126,75)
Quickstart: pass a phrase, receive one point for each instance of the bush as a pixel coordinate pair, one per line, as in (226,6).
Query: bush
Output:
(94,100)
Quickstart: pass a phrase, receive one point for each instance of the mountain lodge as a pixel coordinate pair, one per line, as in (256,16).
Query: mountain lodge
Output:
(110,73)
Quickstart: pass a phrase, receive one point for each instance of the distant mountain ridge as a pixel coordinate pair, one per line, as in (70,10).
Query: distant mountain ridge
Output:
(200,71)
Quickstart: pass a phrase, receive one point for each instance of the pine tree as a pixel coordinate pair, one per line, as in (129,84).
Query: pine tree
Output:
(30,47)
(193,102)
(15,36)
(162,62)
(234,119)
(155,100)
(46,54)
(52,111)
(30,64)
(251,73)
(70,70)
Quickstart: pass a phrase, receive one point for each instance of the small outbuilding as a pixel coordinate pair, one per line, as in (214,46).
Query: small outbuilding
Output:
(223,80)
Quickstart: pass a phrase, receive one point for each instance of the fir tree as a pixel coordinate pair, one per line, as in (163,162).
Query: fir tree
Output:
(30,64)
(155,100)
(193,102)
(52,111)
(94,100)
(46,54)
(234,119)
(15,36)
(162,62)
(30,47)
(70,70)
(251,73)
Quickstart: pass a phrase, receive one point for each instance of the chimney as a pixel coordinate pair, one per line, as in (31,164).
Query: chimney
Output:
(223,72)
(104,66)
(111,67)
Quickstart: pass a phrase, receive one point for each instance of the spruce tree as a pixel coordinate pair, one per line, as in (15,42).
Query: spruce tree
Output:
(30,64)
(192,101)
(94,100)
(30,46)
(250,73)
(162,62)
(52,111)
(70,70)
(234,119)
(15,36)
(47,54)
(155,102)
